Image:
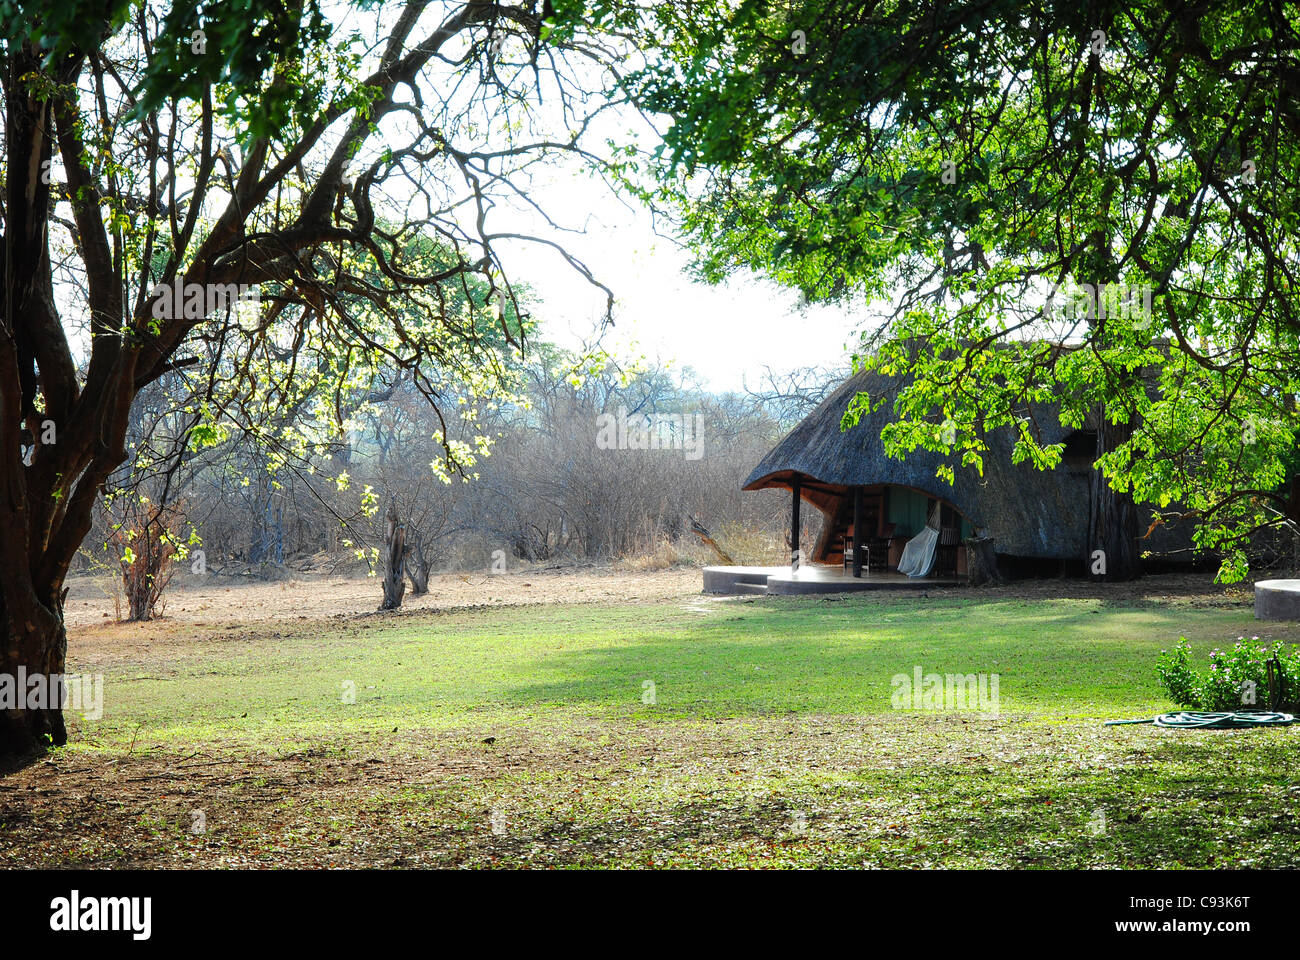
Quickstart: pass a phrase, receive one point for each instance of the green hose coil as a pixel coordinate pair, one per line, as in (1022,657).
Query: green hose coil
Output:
(1197,720)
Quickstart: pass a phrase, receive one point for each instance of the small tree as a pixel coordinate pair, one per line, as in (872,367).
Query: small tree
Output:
(148,540)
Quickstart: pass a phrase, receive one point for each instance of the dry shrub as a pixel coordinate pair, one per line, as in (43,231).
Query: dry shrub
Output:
(661,556)
(476,555)
(146,539)
(747,546)
(105,575)
(693,553)
(752,546)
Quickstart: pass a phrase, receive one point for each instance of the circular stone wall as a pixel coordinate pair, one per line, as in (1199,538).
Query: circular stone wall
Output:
(1277,600)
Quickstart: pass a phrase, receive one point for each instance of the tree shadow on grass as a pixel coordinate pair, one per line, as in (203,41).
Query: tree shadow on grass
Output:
(1184,808)
(757,667)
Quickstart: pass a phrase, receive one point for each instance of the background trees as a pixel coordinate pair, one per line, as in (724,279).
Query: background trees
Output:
(959,163)
(548,493)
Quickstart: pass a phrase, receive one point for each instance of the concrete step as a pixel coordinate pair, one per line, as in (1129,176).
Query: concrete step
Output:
(759,589)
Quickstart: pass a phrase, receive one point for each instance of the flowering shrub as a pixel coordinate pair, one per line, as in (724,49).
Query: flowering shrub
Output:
(1237,678)
(1178,676)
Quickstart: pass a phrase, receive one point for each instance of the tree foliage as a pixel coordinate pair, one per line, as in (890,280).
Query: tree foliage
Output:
(965,166)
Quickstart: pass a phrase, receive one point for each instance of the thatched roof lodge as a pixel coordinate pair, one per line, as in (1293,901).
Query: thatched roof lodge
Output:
(1030,514)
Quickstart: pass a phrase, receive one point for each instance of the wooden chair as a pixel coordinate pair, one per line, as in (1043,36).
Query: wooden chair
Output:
(878,549)
(945,561)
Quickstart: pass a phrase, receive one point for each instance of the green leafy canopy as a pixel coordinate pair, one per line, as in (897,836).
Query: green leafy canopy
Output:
(955,165)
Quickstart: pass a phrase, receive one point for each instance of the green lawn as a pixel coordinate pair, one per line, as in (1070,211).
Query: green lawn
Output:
(762,658)
(520,736)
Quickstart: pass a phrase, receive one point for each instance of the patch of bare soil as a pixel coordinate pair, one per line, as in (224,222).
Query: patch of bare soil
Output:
(212,601)
(217,602)
(1191,589)
(218,608)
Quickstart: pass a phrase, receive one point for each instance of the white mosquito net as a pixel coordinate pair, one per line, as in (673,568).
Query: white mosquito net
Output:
(918,554)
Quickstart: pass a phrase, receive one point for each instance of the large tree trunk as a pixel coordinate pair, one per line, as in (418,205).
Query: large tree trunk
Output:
(394,561)
(38,517)
(981,562)
(1112,517)
(32,651)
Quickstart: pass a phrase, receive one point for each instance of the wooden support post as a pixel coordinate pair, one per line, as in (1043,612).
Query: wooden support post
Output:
(794,526)
(858,538)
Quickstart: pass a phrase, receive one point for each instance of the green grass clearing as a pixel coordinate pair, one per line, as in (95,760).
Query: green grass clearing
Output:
(771,740)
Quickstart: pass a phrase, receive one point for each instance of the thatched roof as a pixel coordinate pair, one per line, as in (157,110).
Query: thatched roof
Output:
(1029,512)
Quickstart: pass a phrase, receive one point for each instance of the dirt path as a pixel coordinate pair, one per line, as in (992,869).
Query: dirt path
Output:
(196,611)
(221,604)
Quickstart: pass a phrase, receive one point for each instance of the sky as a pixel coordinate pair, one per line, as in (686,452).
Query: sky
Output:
(726,334)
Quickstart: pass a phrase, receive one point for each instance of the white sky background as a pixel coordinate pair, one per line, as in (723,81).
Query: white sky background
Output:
(726,334)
